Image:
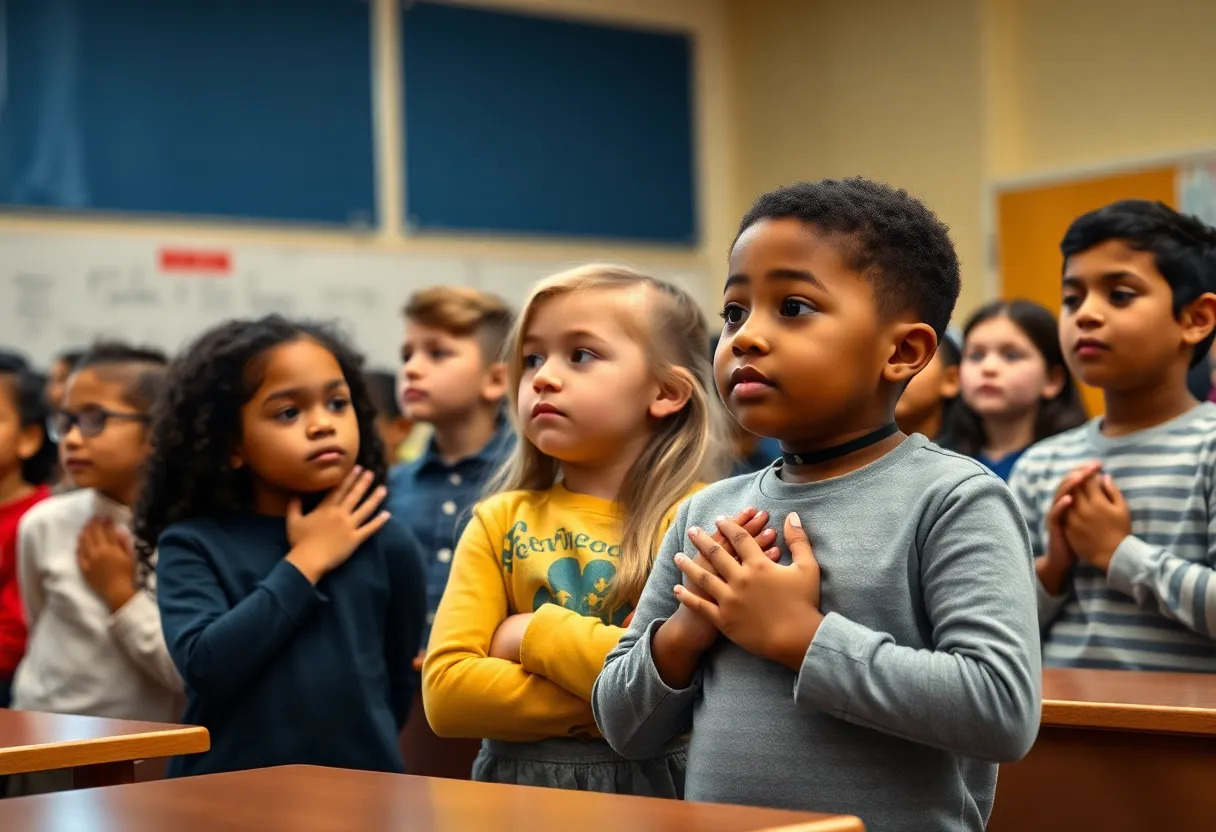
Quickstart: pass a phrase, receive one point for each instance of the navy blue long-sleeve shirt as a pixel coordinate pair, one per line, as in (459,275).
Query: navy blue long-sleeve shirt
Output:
(281,672)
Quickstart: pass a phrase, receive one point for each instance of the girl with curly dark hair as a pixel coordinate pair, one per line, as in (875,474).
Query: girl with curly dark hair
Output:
(291,604)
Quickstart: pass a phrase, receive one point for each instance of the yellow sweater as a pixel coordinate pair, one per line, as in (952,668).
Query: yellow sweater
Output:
(552,553)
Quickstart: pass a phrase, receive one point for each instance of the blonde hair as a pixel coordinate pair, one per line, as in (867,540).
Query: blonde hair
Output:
(464,311)
(685,448)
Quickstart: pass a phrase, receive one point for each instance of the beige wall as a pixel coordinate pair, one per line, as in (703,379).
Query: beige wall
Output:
(939,96)
(883,88)
(1112,79)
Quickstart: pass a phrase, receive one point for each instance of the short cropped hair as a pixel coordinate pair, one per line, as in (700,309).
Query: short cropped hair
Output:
(464,311)
(890,238)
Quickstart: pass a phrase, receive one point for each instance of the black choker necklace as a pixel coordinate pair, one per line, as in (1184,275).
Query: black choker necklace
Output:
(837,451)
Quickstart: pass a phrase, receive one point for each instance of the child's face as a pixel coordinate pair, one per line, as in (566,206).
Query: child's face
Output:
(17,442)
(299,431)
(926,393)
(1117,325)
(444,376)
(111,460)
(586,392)
(1002,374)
(803,351)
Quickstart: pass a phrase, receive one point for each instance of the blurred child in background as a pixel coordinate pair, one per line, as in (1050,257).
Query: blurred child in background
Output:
(57,380)
(95,645)
(1015,386)
(928,400)
(454,380)
(27,466)
(391,424)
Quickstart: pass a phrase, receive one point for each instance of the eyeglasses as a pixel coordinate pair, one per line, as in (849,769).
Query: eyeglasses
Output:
(91,422)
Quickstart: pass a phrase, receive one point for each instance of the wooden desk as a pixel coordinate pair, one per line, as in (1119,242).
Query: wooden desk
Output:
(322,799)
(102,752)
(1117,751)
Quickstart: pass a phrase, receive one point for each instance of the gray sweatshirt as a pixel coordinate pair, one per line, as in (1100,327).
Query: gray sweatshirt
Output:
(924,673)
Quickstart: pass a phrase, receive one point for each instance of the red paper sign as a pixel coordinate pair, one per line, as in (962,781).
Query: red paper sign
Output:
(195,261)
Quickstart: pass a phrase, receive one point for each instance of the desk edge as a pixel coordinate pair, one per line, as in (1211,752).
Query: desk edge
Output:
(188,739)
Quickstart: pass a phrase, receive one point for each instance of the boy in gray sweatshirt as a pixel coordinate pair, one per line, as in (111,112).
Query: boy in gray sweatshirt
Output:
(891,658)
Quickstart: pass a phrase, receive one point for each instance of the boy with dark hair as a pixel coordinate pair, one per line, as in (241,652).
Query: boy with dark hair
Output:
(889,688)
(1122,511)
(453,378)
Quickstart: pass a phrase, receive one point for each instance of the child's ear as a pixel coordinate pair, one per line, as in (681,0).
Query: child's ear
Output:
(913,349)
(673,394)
(235,460)
(494,388)
(29,441)
(1056,379)
(1198,319)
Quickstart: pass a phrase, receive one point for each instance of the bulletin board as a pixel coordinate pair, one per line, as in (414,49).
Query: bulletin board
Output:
(1032,216)
(536,125)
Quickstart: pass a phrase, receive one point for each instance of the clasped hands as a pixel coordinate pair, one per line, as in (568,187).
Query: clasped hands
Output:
(737,587)
(1088,519)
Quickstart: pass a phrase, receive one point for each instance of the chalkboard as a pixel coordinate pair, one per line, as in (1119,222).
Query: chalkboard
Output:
(535,125)
(255,109)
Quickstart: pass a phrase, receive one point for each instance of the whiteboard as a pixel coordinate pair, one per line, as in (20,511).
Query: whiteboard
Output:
(63,289)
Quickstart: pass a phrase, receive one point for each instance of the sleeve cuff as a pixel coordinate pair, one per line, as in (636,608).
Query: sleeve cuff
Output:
(1129,563)
(127,619)
(294,593)
(834,656)
(1048,605)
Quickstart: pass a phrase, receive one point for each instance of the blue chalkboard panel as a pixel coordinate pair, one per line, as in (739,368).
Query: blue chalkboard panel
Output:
(227,108)
(534,125)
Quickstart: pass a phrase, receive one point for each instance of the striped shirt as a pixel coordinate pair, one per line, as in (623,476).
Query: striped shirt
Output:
(1155,608)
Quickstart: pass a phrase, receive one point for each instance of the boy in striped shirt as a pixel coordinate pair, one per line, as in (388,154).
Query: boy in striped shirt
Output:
(1122,511)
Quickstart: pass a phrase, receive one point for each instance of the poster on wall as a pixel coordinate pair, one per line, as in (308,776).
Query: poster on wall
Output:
(1197,190)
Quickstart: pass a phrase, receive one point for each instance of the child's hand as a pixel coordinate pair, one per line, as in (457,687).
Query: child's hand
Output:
(766,608)
(107,561)
(1052,568)
(419,659)
(1098,521)
(323,539)
(509,637)
(697,632)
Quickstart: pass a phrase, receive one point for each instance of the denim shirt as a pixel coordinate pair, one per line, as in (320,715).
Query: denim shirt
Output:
(434,500)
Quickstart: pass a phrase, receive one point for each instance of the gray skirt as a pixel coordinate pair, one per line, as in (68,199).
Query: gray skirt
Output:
(590,766)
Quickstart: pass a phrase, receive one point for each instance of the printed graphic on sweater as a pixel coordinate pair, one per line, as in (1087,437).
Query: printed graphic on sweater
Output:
(581,590)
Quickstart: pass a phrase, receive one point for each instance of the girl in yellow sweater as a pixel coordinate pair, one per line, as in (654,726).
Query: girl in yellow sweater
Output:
(609,382)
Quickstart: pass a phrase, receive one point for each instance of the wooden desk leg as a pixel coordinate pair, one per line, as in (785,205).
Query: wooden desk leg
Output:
(103,774)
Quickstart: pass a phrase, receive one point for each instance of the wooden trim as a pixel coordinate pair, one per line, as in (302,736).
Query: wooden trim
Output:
(1100,170)
(844,823)
(97,750)
(1127,717)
